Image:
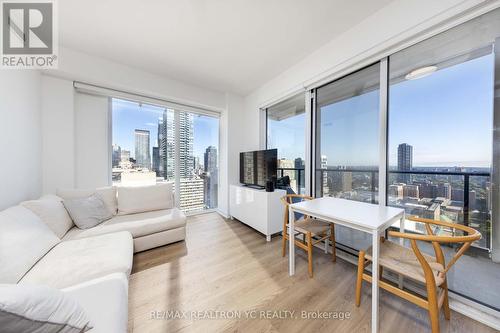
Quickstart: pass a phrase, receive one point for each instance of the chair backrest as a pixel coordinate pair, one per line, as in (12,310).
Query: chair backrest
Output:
(470,235)
(287,200)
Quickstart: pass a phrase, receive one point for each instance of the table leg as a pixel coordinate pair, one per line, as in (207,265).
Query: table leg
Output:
(402,243)
(375,270)
(291,240)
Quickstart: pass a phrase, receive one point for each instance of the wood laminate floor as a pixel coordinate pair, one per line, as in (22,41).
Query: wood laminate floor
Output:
(225,269)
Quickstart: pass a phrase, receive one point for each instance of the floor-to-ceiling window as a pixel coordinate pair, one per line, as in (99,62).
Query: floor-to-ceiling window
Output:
(286,122)
(440,142)
(153,144)
(347,157)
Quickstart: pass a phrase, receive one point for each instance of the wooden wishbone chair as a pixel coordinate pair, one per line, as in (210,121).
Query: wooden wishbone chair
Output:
(308,227)
(412,263)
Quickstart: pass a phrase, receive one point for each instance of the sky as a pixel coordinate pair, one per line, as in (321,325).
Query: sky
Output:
(447,117)
(128,116)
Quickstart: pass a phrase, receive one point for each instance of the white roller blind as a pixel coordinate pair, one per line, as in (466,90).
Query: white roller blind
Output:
(92,141)
(108,92)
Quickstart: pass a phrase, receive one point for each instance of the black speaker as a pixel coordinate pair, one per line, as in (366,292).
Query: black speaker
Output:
(269,186)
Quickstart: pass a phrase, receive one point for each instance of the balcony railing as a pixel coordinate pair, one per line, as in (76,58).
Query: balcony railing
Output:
(462,197)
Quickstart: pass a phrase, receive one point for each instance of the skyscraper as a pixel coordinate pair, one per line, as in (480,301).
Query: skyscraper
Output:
(156,160)
(191,186)
(166,140)
(116,155)
(405,161)
(212,181)
(142,154)
(186,138)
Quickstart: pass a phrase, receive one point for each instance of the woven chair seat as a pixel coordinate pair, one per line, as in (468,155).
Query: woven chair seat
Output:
(402,260)
(314,226)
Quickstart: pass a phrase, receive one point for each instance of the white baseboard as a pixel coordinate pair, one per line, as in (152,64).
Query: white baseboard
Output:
(221,213)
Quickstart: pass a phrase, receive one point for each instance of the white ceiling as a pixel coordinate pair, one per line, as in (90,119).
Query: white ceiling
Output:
(226,45)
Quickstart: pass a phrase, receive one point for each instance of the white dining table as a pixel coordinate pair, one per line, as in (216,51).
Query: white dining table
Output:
(370,218)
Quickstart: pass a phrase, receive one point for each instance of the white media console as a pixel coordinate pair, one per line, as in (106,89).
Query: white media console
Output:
(258,209)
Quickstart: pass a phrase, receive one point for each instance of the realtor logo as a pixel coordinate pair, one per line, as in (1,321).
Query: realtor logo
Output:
(28,34)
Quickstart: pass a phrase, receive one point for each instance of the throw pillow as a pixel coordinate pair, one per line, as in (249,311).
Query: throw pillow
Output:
(51,211)
(87,212)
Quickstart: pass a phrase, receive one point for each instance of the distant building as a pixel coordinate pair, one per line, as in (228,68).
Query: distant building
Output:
(444,190)
(156,161)
(212,177)
(300,172)
(411,191)
(457,194)
(432,211)
(340,181)
(116,155)
(125,156)
(166,145)
(191,194)
(324,165)
(186,139)
(405,161)
(396,191)
(142,146)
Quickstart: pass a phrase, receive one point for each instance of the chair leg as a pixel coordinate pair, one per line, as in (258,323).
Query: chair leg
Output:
(284,244)
(446,304)
(380,272)
(309,254)
(433,307)
(326,245)
(359,281)
(332,241)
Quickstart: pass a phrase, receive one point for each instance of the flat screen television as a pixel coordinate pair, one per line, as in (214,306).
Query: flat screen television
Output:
(257,167)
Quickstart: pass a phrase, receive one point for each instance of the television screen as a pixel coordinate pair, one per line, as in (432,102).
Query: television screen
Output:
(257,167)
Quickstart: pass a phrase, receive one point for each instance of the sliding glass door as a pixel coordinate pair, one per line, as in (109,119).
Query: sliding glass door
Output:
(347,112)
(153,144)
(441,141)
(286,123)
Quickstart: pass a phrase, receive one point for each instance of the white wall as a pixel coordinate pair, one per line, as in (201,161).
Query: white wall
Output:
(232,131)
(77,66)
(20,142)
(364,43)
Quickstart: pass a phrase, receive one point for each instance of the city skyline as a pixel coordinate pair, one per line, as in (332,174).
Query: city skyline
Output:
(126,119)
(155,149)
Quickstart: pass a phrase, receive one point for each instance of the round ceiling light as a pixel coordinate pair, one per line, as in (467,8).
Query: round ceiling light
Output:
(421,72)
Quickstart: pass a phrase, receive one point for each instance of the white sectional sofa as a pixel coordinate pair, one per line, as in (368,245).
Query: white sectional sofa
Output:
(138,210)
(38,245)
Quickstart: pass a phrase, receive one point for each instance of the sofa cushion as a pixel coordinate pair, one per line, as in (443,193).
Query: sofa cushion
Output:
(31,308)
(138,199)
(24,239)
(75,261)
(107,194)
(138,225)
(87,212)
(105,300)
(52,212)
